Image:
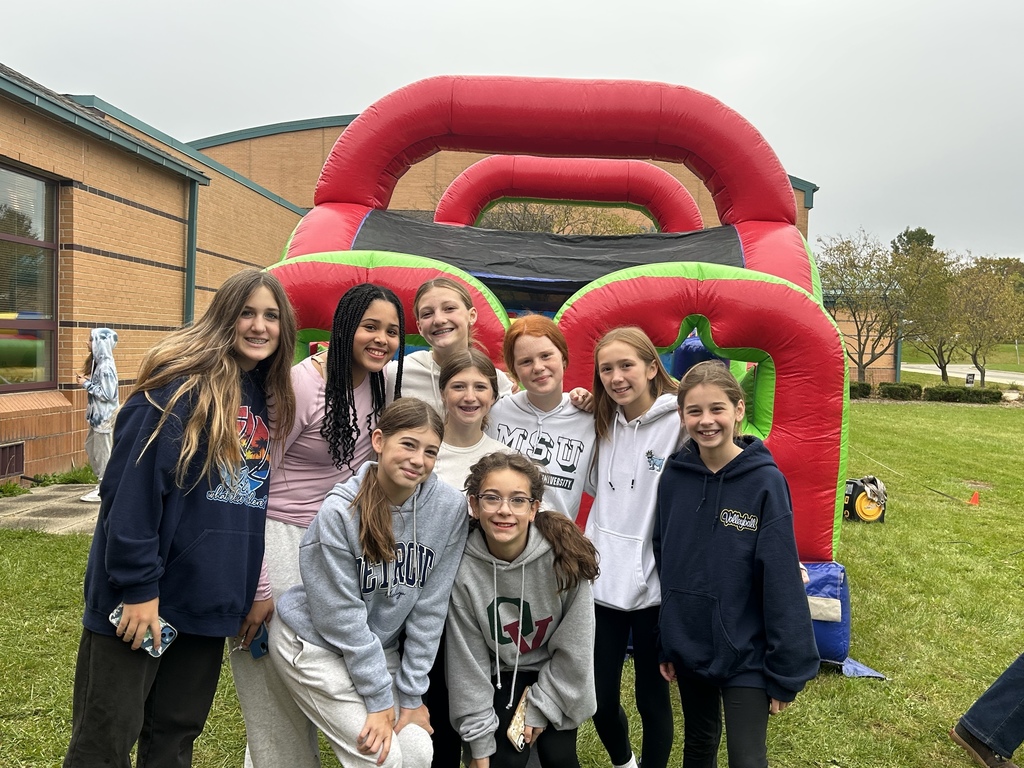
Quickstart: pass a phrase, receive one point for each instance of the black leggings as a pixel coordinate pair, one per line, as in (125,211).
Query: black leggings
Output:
(555,748)
(652,692)
(746,724)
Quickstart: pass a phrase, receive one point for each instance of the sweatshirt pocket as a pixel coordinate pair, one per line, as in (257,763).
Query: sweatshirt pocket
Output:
(693,635)
(622,569)
(214,574)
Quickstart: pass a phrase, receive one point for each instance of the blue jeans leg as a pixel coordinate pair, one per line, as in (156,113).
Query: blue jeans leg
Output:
(997,717)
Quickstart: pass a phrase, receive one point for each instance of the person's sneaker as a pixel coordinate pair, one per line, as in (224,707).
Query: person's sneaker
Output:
(977,749)
(93,496)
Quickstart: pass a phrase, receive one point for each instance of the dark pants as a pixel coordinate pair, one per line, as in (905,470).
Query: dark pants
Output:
(652,692)
(122,696)
(746,724)
(555,748)
(997,717)
(446,741)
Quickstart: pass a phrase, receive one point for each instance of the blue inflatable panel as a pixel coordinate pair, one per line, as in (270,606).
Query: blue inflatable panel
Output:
(829,596)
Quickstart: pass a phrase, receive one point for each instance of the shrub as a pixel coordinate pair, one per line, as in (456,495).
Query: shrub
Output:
(944,393)
(893,391)
(859,389)
(978,395)
(915,390)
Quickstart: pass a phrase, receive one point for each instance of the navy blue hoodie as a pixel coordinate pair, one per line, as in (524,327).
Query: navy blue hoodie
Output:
(198,548)
(734,610)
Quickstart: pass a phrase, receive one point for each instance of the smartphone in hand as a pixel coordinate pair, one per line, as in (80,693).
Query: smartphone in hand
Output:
(167,633)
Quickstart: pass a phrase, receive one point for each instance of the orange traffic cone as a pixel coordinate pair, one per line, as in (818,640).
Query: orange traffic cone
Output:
(974,499)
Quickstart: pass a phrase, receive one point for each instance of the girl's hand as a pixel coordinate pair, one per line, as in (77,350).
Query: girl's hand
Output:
(136,618)
(419,716)
(531,734)
(260,612)
(582,399)
(668,670)
(376,735)
(775,706)
(480,762)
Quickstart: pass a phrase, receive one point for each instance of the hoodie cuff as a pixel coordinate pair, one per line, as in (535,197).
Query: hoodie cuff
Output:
(378,702)
(483,747)
(409,700)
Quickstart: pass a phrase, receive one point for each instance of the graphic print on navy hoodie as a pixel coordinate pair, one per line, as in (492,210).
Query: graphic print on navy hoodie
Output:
(734,610)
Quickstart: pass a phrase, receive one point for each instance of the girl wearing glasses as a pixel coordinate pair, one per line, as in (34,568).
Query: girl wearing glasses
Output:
(521,615)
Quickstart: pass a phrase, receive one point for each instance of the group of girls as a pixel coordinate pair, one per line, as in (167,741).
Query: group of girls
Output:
(366,548)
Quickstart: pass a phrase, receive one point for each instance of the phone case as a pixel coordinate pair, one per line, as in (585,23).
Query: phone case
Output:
(518,723)
(167,633)
(259,645)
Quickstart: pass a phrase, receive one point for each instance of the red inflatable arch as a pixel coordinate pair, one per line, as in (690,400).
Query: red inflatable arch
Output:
(569,118)
(750,316)
(631,182)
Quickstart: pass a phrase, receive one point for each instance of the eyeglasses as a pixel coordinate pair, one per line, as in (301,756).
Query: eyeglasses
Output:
(491,502)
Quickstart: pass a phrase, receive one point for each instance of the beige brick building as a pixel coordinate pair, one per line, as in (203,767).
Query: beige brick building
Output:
(121,225)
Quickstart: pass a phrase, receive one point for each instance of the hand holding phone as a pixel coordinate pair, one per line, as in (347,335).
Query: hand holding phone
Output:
(167,633)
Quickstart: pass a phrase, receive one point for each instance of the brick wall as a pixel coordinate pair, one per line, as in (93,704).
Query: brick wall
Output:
(122,234)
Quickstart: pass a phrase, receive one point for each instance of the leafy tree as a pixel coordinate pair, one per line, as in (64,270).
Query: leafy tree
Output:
(557,218)
(860,286)
(990,307)
(928,278)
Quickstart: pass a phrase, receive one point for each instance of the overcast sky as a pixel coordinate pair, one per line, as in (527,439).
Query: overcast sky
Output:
(903,112)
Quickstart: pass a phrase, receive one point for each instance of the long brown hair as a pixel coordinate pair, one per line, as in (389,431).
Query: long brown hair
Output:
(604,406)
(575,555)
(376,534)
(202,357)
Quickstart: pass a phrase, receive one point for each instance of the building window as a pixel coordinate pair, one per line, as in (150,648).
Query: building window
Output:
(28,276)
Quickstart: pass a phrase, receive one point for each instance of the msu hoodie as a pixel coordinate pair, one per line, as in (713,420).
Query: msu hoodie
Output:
(561,441)
(360,609)
(621,522)
(734,611)
(509,617)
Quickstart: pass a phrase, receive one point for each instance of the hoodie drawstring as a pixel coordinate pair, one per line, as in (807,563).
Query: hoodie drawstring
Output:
(515,669)
(611,463)
(494,587)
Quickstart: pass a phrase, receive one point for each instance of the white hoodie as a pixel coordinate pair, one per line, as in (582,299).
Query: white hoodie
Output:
(561,441)
(421,379)
(621,522)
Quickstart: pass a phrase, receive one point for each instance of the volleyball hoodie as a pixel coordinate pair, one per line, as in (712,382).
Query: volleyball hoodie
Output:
(360,609)
(734,609)
(621,521)
(510,617)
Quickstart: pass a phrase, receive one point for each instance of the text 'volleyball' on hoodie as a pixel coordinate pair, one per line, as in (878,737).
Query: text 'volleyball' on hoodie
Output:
(734,609)
(359,608)
(621,522)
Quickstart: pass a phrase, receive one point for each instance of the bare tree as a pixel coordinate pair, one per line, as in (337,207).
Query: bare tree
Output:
(557,218)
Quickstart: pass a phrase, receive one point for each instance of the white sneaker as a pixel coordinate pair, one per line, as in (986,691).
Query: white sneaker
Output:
(93,496)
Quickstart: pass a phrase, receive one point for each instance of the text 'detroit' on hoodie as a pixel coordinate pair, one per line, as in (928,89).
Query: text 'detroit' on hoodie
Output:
(560,441)
(510,617)
(621,522)
(421,378)
(734,610)
(360,609)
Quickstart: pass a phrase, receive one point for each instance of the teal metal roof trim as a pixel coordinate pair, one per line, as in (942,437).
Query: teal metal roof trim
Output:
(94,102)
(337,121)
(807,187)
(22,90)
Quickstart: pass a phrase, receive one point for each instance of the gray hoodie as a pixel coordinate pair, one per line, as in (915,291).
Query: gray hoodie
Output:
(360,609)
(552,634)
(102,382)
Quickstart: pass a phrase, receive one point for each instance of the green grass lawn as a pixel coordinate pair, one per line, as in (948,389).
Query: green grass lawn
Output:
(1002,358)
(937,606)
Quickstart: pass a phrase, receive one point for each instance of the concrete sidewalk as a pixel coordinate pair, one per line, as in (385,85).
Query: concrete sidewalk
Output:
(54,509)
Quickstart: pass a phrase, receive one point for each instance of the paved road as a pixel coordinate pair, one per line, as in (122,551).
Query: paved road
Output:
(959,372)
(54,509)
